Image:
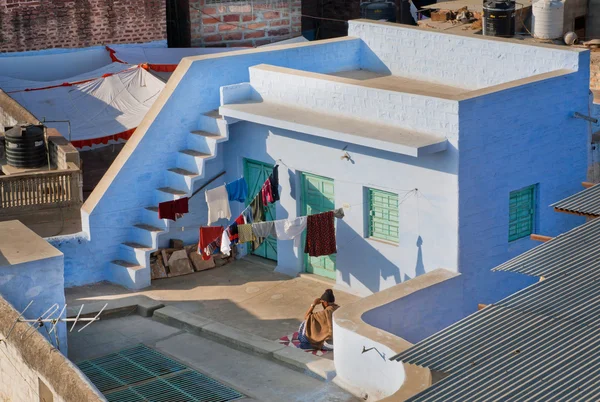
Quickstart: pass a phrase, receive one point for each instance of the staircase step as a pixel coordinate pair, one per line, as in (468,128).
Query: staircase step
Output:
(206,134)
(173,191)
(148,228)
(197,154)
(128,274)
(213,113)
(183,172)
(128,265)
(137,246)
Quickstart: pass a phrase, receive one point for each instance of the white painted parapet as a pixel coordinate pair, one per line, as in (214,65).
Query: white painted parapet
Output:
(363,352)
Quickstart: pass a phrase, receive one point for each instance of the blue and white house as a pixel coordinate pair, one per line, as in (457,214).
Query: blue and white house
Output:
(444,150)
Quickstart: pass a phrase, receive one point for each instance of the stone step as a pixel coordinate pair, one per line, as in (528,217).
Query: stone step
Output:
(147,228)
(137,246)
(170,190)
(213,113)
(291,357)
(206,134)
(128,274)
(196,154)
(127,264)
(183,172)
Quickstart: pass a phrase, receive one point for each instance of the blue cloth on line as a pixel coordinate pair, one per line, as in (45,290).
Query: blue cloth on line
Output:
(237,190)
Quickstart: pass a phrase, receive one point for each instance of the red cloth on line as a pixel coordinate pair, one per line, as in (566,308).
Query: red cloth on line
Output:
(170,209)
(182,205)
(208,235)
(266,193)
(240,220)
(320,235)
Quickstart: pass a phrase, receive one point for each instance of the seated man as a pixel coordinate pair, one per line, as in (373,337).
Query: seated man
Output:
(316,331)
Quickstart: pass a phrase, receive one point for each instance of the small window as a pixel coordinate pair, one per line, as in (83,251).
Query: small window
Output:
(522,213)
(383,215)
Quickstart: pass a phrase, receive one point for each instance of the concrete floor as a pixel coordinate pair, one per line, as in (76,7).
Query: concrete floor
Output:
(245,295)
(258,378)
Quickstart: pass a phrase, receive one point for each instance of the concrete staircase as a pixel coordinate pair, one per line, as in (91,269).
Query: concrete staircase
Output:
(132,267)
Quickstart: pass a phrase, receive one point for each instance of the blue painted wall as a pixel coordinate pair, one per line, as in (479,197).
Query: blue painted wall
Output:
(41,281)
(509,140)
(108,222)
(422,313)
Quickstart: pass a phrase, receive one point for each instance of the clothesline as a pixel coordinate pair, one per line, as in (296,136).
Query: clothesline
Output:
(254,214)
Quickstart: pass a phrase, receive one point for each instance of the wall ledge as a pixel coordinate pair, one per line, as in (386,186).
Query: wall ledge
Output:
(350,316)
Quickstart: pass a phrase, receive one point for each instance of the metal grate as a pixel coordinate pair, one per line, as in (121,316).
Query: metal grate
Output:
(142,374)
(127,367)
(189,386)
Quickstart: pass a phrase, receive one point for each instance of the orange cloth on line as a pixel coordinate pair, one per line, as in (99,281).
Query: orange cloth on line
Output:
(319,326)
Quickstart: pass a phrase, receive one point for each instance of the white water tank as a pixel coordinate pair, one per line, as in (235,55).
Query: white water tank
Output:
(547,21)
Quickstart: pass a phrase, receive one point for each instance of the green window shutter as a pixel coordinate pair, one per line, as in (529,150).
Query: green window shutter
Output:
(383,215)
(521,213)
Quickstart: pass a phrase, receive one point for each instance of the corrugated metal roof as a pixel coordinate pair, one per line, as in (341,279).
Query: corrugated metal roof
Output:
(586,202)
(577,249)
(541,343)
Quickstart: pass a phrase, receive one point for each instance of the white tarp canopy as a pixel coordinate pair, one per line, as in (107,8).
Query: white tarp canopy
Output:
(107,106)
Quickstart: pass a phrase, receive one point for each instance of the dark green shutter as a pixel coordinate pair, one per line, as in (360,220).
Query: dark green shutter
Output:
(521,213)
(383,215)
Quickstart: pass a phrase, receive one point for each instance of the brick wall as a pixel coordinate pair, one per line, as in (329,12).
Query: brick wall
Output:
(243,23)
(37,24)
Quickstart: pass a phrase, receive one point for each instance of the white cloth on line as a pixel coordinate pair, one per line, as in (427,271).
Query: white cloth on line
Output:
(225,243)
(263,229)
(218,204)
(287,229)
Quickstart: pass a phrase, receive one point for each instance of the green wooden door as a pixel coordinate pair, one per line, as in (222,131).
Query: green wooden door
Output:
(256,173)
(318,196)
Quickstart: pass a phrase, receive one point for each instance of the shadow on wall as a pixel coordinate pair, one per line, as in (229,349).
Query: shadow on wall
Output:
(440,161)
(368,266)
(370,61)
(420,314)
(420,266)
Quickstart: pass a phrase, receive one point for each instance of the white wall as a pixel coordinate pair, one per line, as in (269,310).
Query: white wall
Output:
(371,374)
(466,61)
(428,224)
(422,113)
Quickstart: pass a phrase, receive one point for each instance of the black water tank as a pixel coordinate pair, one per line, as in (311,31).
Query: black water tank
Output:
(378,10)
(499,18)
(24,146)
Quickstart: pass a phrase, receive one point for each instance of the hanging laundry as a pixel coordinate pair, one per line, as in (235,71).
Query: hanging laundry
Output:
(240,220)
(247,215)
(232,231)
(267,193)
(263,229)
(207,236)
(257,208)
(218,204)
(274,180)
(225,244)
(320,235)
(173,209)
(290,229)
(245,233)
(237,190)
